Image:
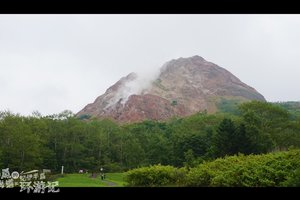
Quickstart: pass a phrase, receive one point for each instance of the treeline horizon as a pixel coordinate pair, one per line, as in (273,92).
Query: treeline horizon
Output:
(49,142)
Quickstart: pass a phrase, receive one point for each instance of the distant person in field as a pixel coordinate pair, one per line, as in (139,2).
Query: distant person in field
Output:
(102,174)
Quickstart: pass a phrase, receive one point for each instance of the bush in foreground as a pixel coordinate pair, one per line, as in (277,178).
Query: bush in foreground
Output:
(272,169)
(265,170)
(155,175)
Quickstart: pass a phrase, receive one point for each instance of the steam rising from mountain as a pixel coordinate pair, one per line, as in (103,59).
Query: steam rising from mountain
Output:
(182,87)
(135,84)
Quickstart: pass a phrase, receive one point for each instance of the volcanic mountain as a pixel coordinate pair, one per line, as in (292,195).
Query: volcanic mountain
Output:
(183,87)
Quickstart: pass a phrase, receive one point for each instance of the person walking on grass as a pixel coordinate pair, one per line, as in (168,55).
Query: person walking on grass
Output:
(102,174)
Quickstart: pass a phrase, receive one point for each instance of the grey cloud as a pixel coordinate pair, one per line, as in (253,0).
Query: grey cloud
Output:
(69,60)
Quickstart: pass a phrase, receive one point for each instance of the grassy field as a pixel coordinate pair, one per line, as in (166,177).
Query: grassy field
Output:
(85,180)
(117,178)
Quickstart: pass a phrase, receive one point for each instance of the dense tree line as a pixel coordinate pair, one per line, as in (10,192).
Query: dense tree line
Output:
(37,142)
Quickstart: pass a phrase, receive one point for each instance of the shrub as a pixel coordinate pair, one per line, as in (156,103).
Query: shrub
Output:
(293,180)
(155,175)
(174,103)
(246,171)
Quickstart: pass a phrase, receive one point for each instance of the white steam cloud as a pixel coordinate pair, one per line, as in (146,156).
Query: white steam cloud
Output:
(136,86)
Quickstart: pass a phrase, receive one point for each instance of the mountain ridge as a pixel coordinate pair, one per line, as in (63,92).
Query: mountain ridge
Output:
(183,87)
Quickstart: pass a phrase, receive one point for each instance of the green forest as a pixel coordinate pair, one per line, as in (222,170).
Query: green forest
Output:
(249,144)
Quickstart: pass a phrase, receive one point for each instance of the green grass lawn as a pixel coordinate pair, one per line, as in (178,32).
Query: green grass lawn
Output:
(84,180)
(117,178)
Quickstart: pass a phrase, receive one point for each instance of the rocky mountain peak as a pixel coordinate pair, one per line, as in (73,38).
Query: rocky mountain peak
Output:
(183,87)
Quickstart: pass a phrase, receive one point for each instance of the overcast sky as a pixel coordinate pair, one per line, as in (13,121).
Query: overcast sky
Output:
(51,63)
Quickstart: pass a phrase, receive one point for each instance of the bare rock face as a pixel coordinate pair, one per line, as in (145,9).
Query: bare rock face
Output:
(184,86)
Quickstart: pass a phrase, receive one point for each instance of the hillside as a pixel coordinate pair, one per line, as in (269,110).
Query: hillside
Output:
(183,87)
